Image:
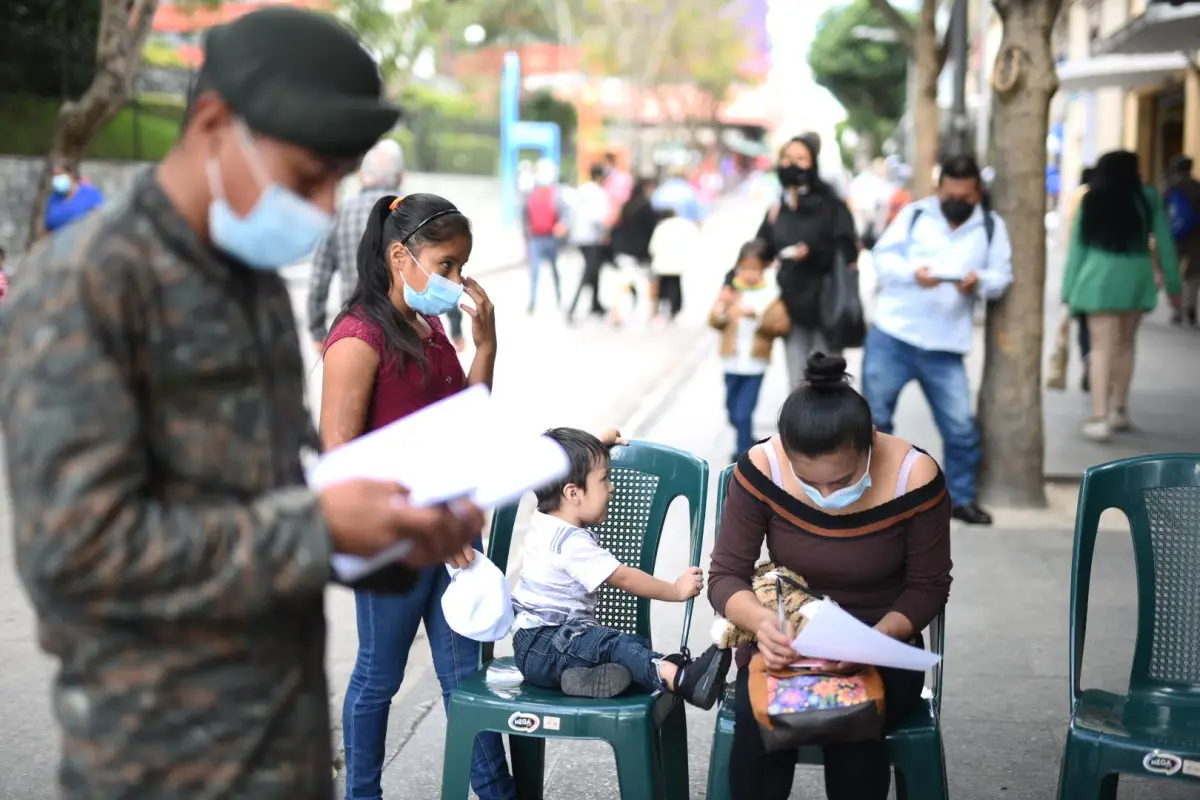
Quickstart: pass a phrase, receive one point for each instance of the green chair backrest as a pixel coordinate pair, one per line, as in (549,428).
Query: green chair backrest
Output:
(937,628)
(646,478)
(1160,496)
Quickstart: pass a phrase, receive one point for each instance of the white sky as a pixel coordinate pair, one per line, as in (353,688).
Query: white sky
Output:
(801,103)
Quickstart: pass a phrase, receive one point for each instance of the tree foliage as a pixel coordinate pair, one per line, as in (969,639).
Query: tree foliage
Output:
(49,47)
(867,77)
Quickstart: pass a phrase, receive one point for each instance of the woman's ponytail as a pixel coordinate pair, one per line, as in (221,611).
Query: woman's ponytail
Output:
(370,246)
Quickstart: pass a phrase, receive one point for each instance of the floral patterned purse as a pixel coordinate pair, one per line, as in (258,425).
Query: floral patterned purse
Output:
(800,707)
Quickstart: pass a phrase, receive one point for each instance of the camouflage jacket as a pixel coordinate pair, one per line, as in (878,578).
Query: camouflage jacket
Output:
(152,399)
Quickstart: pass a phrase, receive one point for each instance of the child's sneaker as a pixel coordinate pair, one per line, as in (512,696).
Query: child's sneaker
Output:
(701,681)
(605,680)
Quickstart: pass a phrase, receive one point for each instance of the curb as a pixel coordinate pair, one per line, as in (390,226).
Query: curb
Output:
(656,403)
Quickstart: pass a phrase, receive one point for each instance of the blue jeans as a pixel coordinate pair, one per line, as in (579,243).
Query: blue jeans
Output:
(543,248)
(543,654)
(890,364)
(741,398)
(387,625)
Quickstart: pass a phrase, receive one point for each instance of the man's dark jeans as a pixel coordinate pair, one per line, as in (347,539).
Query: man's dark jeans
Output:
(543,654)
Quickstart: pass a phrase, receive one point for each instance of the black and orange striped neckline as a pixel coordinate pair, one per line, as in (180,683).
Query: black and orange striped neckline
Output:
(811,519)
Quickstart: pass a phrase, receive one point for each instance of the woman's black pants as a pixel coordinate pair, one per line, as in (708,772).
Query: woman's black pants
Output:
(860,771)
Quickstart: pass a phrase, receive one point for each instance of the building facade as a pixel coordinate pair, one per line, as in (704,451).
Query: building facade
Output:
(1128,80)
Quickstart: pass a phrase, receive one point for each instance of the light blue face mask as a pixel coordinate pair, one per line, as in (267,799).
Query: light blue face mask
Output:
(846,496)
(280,230)
(61,183)
(439,295)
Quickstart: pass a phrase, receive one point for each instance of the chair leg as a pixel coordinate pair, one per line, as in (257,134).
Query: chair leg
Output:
(639,773)
(1080,776)
(718,764)
(924,778)
(528,756)
(456,760)
(673,749)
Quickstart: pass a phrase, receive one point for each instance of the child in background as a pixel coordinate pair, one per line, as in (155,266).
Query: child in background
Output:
(3,274)
(750,317)
(558,643)
(673,248)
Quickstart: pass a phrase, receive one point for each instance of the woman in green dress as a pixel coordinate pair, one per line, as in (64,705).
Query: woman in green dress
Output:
(1119,232)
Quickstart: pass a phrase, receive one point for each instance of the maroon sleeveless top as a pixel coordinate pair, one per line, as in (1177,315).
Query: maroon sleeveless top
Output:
(400,392)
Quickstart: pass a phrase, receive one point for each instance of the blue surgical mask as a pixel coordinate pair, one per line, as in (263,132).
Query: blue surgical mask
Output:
(439,295)
(61,184)
(280,230)
(846,496)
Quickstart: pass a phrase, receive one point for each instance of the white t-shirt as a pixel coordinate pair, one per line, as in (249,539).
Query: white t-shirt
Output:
(742,362)
(562,571)
(674,247)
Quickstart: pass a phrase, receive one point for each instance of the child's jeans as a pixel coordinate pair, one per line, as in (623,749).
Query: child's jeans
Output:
(543,654)
(741,397)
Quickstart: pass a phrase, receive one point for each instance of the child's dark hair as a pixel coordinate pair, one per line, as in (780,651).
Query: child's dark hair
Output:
(415,221)
(584,453)
(752,249)
(825,413)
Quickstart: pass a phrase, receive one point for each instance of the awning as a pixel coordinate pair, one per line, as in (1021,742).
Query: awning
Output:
(1162,28)
(1119,71)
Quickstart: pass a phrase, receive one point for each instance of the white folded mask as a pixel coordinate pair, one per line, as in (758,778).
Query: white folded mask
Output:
(477,603)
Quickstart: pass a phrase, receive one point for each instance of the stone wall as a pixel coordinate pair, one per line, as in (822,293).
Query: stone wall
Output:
(162,80)
(18,186)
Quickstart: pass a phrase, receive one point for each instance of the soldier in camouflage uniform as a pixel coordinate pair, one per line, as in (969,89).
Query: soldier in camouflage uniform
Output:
(151,393)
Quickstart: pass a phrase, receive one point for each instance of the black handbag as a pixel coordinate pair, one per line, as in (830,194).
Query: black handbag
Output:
(842,322)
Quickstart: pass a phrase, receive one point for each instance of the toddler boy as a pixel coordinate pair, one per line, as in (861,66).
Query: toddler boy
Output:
(558,642)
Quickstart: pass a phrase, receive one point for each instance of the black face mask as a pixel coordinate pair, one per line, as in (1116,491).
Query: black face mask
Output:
(791,175)
(956,211)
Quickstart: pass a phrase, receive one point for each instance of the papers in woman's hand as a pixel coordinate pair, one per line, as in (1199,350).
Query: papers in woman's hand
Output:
(460,447)
(833,634)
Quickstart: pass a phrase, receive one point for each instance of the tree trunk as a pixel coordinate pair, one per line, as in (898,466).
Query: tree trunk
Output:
(926,116)
(124,26)
(1010,400)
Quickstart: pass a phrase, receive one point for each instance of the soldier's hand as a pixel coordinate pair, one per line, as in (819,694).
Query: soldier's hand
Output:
(366,516)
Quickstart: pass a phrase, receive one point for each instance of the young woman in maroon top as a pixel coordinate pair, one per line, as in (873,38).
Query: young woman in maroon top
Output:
(864,517)
(386,357)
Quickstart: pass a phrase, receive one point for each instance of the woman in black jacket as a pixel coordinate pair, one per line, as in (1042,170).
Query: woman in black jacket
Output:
(631,243)
(810,231)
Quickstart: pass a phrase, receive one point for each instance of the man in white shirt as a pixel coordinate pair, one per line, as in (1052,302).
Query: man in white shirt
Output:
(937,258)
(590,215)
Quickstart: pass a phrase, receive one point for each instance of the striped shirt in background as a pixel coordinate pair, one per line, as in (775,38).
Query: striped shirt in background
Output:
(561,574)
(338,254)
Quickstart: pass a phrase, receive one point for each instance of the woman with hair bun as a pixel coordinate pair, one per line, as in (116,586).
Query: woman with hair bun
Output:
(865,518)
(386,357)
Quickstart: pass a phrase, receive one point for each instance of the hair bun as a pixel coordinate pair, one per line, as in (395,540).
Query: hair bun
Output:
(826,372)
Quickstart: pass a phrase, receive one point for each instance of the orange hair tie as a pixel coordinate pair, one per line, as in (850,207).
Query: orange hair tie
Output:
(395,203)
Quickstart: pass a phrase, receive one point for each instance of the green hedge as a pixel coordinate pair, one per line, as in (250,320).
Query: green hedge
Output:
(29,125)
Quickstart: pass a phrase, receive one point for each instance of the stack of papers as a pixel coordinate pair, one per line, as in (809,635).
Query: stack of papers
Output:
(460,447)
(831,633)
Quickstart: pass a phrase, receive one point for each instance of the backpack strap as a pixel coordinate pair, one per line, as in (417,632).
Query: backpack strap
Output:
(989,223)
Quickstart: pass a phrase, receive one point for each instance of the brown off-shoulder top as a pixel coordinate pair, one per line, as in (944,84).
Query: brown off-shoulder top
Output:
(892,557)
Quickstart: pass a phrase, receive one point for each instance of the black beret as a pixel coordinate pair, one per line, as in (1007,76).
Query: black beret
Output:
(300,77)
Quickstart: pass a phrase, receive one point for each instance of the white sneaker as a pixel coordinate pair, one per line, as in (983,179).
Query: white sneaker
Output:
(1097,430)
(1118,420)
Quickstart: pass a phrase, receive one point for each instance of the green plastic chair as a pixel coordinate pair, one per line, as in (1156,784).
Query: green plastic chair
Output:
(1153,728)
(915,745)
(648,734)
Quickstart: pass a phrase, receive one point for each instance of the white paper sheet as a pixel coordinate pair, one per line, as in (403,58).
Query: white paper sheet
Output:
(833,634)
(458,447)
